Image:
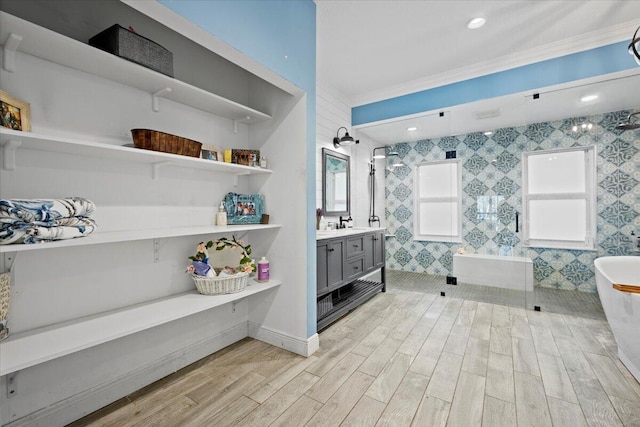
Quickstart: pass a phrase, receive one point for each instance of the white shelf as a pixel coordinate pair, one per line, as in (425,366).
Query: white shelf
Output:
(31,348)
(12,140)
(98,237)
(46,44)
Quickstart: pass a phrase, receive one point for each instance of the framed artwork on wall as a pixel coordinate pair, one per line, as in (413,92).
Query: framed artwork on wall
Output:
(15,113)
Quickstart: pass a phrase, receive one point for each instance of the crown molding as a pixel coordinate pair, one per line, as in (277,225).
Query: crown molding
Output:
(591,40)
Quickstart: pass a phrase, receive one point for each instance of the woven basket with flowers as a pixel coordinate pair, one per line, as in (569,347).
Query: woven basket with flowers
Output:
(225,279)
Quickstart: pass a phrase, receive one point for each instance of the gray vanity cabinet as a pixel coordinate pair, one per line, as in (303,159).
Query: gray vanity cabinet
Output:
(330,259)
(342,262)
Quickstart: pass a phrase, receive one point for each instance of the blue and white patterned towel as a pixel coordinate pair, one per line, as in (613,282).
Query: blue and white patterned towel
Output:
(65,228)
(45,210)
(39,220)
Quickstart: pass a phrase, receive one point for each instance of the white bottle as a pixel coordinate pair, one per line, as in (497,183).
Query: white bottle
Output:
(221,217)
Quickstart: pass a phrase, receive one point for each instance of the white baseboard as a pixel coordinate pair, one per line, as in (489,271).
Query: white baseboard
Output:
(304,347)
(88,401)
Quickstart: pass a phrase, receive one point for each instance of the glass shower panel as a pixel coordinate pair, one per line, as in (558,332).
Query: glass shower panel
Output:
(574,200)
(486,260)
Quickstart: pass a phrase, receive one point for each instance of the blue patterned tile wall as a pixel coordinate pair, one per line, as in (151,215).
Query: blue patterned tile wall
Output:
(491,183)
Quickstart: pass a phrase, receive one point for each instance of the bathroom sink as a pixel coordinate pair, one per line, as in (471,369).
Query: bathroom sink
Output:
(325,232)
(342,231)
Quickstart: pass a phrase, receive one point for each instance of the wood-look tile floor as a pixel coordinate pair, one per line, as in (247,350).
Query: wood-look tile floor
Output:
(404,359)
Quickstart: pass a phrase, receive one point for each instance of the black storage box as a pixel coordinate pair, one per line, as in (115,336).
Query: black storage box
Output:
(133,47)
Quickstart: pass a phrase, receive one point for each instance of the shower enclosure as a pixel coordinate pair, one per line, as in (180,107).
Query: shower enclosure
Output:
(510,200)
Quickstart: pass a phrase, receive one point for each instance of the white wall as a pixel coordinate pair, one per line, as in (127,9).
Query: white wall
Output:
(52,286)
(332,112)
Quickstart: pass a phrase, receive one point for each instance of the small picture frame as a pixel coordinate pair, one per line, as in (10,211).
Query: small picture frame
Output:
(244,208)
(209,152)
(14,113)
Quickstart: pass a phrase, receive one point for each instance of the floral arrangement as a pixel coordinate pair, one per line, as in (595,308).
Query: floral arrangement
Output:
(319,214)
(200,261)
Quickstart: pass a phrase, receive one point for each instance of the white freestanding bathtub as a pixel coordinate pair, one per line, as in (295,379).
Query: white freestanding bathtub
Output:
(509,272)
(622,305)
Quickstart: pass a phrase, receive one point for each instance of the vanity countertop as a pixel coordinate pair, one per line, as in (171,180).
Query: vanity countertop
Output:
(341,232)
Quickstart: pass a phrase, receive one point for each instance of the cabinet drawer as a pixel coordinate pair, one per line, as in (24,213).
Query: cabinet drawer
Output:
(355,246)
(354,268)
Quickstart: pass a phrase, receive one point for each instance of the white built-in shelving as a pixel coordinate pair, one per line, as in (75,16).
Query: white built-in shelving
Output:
(23,36)
(37,346)
(33,347)
(12,141)
(99,237)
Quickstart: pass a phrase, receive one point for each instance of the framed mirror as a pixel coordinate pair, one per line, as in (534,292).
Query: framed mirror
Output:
(336,183)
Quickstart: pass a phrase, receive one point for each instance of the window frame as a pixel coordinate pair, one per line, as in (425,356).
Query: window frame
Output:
(589,195)
(417,200)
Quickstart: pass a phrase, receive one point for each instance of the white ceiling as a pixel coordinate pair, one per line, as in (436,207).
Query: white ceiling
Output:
(367,49)
(370,50)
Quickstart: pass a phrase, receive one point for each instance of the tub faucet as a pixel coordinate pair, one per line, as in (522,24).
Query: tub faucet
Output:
(635,242)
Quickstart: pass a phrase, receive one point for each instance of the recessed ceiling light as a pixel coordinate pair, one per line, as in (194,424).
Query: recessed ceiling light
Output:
(476,23)
(588,98)
(412,128)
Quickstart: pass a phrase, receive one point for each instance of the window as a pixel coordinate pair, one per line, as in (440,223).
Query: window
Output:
(559,198)
(438,201)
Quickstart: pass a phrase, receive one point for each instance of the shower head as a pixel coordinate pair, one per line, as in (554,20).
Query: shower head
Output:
(382,156)
(630,124)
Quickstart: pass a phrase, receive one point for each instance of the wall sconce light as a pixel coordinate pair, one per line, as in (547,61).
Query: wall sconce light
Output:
(345,140)
(634,46)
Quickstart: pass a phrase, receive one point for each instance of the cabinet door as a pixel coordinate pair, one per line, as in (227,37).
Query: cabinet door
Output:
(378,250)
(374,256)
(321,267)
(335,263)
(369,257)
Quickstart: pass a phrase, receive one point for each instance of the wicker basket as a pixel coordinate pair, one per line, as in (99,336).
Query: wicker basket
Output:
(165,142)
(221,285)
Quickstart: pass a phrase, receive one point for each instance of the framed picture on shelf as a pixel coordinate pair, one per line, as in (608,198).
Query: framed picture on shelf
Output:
(244,208)
(211,152)
(15,113)
(208,153)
